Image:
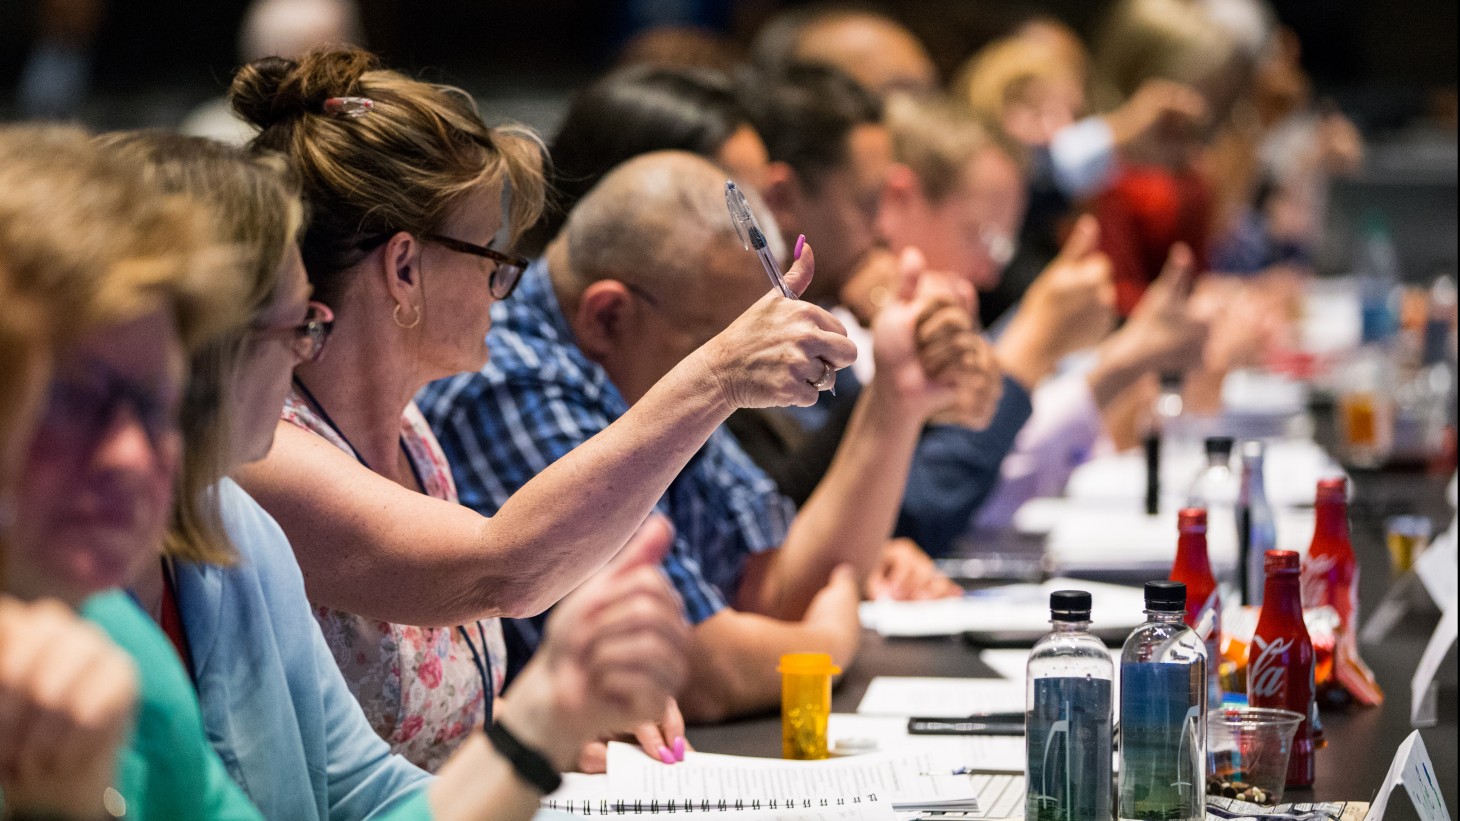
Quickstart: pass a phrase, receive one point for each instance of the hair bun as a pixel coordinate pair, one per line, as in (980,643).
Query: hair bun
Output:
(274,90)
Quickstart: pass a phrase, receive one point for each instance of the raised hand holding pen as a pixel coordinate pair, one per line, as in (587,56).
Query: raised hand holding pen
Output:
(755,241)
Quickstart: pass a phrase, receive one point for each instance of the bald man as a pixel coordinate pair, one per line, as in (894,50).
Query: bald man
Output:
(647,269)
(876,50)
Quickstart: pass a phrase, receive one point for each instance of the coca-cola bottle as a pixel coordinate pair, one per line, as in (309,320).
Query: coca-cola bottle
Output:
(1203,601)
(1331,577)
(1280,667)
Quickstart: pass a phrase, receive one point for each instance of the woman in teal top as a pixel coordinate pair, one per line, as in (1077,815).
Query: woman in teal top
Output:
(167,770)
(66,692)
(96,477)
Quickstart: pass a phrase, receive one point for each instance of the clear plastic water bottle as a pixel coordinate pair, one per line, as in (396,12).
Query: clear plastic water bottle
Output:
(1163,705)
(1216,490)
(1256,526)
(1067,732)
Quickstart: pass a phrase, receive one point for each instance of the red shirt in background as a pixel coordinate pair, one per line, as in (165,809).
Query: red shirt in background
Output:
(1142,214)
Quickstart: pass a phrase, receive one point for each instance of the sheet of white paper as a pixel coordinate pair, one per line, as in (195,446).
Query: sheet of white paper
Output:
(900,777)
(1429,667)
(950,752)
(1413,769)
(1102,537)
(1011,608)
(941,697)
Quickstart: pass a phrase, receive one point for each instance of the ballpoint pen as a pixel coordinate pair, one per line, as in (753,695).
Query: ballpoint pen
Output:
(754,240)
(988,724)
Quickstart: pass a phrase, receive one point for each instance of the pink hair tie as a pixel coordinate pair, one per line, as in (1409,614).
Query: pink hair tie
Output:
(351,107)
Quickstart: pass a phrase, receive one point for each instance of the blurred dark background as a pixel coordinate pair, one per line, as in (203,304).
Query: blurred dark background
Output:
(1388,61)
(1389,64)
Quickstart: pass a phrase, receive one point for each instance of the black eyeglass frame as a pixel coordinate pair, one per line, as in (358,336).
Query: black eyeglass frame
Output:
(504,278)
(307,340)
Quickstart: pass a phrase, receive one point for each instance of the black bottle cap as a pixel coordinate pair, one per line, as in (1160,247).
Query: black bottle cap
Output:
(1069,605)
(1219,446)
(1166,597)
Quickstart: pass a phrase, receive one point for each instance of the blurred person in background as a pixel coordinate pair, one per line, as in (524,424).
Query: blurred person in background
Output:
(956,195)
(1274,163)
(683,47)
(647,270)
(639,109)
(877,51)
(1160,195)
(67,693)
(831,161)
(1032,86)
(276,28)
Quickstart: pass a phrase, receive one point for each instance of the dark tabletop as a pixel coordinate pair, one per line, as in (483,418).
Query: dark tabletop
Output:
(1361,742)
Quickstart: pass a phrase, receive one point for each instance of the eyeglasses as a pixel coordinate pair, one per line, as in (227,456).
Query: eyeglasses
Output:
(504,277)
(999,246)
(88,407)
(305,341)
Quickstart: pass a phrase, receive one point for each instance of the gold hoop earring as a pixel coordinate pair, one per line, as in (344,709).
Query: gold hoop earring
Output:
(396,316)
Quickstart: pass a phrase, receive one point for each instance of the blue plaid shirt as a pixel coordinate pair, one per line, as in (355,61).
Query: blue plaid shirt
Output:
(540,396)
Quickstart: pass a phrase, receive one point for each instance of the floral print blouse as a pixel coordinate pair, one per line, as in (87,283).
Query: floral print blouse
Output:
(420,687)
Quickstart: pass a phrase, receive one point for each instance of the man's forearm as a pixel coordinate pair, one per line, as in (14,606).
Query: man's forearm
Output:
(733,657)
(851,514)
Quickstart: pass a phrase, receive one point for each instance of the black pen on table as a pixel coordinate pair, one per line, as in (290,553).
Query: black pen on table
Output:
(977,724)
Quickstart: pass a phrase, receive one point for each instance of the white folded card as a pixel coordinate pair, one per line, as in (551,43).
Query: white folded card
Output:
(1413,769)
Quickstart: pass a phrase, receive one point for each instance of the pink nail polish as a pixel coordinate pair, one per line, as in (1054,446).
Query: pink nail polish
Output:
(665,755)
(679,748)
(800,246)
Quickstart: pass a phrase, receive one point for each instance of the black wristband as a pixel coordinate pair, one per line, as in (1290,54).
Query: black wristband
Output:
(531,765)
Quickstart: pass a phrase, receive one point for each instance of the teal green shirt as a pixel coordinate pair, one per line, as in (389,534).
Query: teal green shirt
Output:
(167,770)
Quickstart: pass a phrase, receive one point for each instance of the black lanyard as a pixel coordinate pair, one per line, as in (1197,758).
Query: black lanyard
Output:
(483,657)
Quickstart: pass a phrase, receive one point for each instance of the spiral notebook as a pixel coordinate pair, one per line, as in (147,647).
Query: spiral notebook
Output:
(841,789)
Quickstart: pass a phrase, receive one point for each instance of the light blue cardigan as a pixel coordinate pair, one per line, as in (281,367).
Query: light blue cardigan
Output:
(275,706)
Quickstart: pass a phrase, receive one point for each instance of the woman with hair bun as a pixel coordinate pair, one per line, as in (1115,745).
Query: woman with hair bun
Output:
(413,200)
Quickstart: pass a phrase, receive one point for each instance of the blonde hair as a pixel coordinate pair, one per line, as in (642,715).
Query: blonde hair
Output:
(1001,73)
(90,237)
(25,329)
(87,236)
(937,139)
(253,200)
(400,167)
(1150,39)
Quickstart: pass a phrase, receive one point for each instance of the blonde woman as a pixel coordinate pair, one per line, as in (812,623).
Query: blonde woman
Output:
(88,236)
(66,692)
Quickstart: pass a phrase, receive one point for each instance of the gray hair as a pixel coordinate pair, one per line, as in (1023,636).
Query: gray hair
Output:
(649,220)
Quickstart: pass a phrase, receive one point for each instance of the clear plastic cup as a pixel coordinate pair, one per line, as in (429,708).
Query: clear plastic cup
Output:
(805,704)
(1407,536)
(1247,752)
